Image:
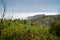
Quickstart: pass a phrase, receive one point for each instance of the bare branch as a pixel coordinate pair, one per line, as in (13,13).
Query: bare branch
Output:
(4,9)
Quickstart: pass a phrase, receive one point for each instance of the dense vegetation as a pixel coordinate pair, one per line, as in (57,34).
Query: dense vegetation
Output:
(29,30)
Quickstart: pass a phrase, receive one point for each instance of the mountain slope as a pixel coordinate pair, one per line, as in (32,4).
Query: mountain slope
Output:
(43,20)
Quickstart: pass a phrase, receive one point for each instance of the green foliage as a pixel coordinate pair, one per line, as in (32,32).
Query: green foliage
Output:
(19,30)
(55,28)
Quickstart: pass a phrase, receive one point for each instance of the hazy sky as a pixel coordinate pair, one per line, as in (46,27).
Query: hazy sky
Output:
(30,6)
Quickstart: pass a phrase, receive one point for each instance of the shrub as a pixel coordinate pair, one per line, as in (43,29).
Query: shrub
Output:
(55,28)
(23,32)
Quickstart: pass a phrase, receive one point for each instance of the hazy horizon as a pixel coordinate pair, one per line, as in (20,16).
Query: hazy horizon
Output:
(24,15)
(25,8)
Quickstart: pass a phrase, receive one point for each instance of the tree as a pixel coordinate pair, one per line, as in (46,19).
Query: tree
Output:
(4,9)
(2,15)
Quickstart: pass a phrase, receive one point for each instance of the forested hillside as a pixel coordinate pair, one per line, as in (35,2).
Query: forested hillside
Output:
(37,28)
(43,20)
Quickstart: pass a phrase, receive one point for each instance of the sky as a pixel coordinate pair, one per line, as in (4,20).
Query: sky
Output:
(25,8)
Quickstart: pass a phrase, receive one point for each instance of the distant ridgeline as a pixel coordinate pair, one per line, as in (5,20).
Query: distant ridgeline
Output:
(38,20)
(43,20)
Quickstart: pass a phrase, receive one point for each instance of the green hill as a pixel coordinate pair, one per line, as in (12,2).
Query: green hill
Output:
(43,20)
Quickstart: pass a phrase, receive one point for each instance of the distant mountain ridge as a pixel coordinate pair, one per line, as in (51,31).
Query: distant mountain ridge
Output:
(43,20)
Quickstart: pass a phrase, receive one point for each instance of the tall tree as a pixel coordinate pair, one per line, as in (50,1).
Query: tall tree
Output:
(2,16)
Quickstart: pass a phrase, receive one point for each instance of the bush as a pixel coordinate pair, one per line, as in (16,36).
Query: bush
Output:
(20,31)
(55,28)
(23,32)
